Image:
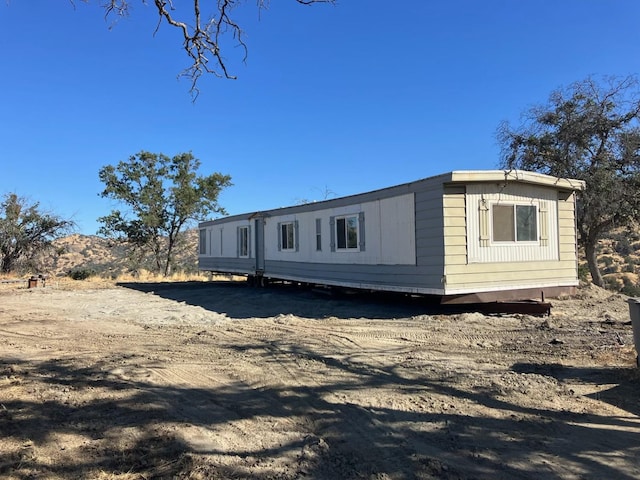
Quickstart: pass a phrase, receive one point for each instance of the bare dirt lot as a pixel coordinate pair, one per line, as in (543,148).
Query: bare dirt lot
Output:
(217,380)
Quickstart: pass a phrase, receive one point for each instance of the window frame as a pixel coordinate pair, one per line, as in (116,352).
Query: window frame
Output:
(244,239)
(288,232)
(202,241)
(318,235)
(343,238)
(515,232)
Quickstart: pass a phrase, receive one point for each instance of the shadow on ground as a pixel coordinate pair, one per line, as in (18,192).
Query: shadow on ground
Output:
(130,427)
(624,394)
(239,300)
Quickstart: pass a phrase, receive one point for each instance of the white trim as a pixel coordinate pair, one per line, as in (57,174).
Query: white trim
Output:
(515,242)
(292,247)
(509,176)
(356,217)
(486,250)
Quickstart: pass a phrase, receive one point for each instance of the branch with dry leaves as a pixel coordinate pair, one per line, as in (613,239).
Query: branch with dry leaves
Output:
(203,30)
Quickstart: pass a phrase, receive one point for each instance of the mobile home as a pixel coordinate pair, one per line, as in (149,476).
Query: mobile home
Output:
(465,236)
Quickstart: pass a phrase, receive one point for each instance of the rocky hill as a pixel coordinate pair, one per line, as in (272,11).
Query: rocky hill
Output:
(619,261)
(92,255)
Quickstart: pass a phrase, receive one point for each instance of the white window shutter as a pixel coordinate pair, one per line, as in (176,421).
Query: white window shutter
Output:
(483,211)
(544,224)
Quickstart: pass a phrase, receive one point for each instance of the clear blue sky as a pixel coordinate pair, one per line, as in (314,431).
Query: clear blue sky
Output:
(347,98)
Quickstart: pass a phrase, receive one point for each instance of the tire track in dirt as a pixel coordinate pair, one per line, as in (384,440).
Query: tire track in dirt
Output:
(224,416)
(308,395)
(272,369)
(288,396)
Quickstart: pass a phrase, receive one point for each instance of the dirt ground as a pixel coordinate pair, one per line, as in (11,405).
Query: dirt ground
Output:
(218,380)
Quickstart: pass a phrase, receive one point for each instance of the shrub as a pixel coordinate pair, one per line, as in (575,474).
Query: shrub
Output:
(622,246)
(613,283)
(631,290)
(81,273)
(608,261)
(583,272)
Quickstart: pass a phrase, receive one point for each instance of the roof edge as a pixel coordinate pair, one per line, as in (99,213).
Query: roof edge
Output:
(520,176)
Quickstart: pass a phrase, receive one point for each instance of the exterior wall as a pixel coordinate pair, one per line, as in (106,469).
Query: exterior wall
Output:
(388,228)
(402,248)
(428,236)
(454,213)
(567,233)
(222,248)
(403,245)
(487,251)
(494,266)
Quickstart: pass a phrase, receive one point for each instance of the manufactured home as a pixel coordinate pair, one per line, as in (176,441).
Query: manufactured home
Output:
(464,236)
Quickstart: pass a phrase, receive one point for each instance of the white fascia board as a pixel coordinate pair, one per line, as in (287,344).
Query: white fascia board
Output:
(521,176)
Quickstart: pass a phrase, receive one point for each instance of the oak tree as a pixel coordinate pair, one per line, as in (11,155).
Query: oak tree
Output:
(26,232)
(589,131)
(161,195)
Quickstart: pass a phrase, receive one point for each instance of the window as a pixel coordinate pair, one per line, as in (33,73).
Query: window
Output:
(318,234)
(243,241)
(347,233)
(203,242)
(287,236)
(514,223)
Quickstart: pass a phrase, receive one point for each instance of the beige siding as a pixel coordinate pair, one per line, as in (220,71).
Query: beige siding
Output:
(455,226)
(534,269)
(481,198)
(456,241)
(505,276)
(551,263)
(567,231)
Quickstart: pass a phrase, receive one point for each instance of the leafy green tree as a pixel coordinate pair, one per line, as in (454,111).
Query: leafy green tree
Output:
(589,131)
(161,195)
(26,232)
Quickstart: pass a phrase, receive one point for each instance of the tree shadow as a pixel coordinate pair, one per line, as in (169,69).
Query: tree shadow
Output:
(625,394)
(129,426)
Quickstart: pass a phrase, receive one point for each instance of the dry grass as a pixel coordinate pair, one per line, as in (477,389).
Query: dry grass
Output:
(146,276)
(97,282)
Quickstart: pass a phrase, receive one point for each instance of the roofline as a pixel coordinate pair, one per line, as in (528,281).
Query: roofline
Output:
(520,176)
(454,177)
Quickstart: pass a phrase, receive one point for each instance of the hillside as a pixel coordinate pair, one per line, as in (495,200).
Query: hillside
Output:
(619,261)
(91,254)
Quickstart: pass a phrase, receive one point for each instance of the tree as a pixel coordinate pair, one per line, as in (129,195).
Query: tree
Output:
(203,29)
(162,196)
(589,131)
(26,232)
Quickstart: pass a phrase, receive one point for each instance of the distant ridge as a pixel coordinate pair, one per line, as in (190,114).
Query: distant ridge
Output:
(101,256)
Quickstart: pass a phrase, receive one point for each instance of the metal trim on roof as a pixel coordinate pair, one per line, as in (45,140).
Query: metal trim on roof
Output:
(521,176)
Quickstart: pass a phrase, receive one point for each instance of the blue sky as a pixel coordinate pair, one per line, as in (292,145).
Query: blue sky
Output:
(346,98)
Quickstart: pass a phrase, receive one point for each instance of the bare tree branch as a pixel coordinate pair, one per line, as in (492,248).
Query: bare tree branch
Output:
(202,32)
